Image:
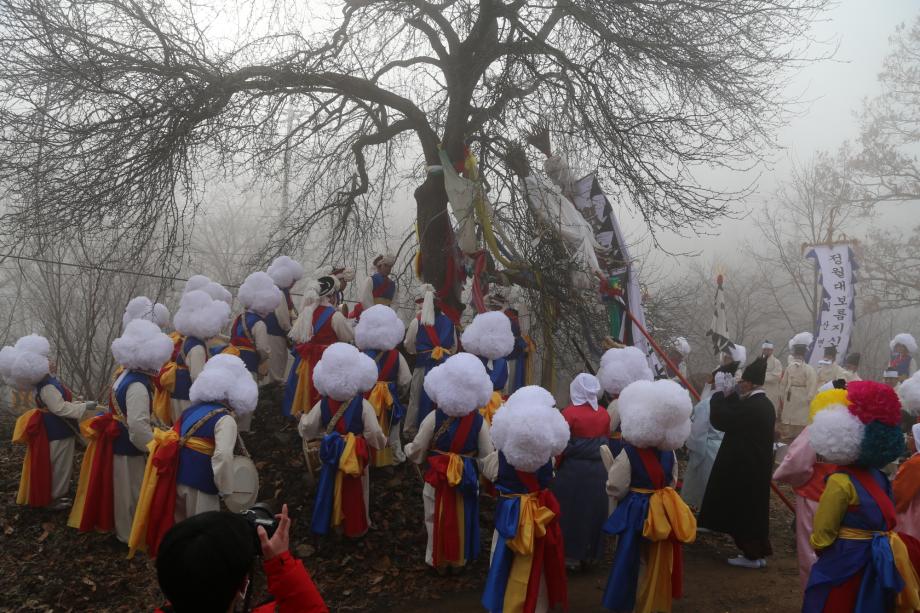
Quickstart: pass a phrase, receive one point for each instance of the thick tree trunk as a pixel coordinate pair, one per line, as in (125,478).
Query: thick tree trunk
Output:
(436,239)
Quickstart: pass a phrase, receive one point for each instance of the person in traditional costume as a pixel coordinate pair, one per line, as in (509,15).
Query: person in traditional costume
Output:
(377,334)
(903,346)
(285,272)
(431,338)
(619,367)
(259,297)
(906,484)
(348,427)
(379,288)
(318,326)
(678,351)
(704,441)
(518,359)
(851,365)
(453,439)
(48,430)
(199,319)
(801,470)
(190,466)
(527,569)
(828,369)
(891,378)
(580,474)
(113,464)
(737,499)
(650,520)
(797,387)
(863,564)
(771,383)
(489,337)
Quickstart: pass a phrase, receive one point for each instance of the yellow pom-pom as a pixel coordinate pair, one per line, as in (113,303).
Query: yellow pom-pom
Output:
(826,399)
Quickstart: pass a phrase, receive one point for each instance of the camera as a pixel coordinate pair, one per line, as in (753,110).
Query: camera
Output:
(261,514)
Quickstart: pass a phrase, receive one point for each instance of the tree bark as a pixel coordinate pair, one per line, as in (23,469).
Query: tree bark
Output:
(436,240)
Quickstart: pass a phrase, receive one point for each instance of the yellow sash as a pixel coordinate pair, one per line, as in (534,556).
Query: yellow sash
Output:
(668,517)
(532,522)
(137,540)
(909,597)
(438,352)
(489,411)
(162,394)
(381,399)
(19,436)
(348,465)
(302,391)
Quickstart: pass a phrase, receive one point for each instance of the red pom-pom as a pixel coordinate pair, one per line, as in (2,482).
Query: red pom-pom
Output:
(871,401)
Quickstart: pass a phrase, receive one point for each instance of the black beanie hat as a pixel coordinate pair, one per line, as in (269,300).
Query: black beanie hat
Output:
(755,372)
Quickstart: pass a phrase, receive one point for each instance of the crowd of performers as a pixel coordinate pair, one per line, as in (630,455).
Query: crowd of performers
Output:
(164,447)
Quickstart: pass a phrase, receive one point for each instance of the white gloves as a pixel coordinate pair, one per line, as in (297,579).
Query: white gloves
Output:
(724,382)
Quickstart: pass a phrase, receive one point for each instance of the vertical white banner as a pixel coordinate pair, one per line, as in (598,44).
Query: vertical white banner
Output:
(836,267)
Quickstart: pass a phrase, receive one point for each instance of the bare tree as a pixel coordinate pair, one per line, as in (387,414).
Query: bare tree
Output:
(135,101)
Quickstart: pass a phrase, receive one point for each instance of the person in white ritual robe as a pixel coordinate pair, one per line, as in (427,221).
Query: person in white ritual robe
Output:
(224,383)
(458,387)
(774,374)
(828,369)
(851,366)
(342,374)
(285,272)
(199,319)
(798,386)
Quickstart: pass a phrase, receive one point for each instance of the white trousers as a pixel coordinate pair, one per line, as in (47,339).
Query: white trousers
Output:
(278,359)
(127,475)
(61,452)
(191,502)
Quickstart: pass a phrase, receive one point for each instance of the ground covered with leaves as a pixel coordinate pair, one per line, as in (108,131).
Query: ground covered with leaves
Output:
(46,566)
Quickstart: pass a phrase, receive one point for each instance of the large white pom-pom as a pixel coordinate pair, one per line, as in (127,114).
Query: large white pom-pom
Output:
(379,328)
(489,336)
(909,392)
(200,316)
(460,385)
(33,343)
(285,272)
(259,293)
(225,379)
(28,368)
(218,292)
(195,282)
(529,430)
(344,372)
(836,434)
(655,414)
(7,357)
(161,315)
(142,346)
(622,366)
(904,339)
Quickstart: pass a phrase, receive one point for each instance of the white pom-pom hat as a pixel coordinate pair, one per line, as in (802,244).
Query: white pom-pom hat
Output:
(142,307)
(836,434)
(909,392)
(200,316)
(194,282)
(142,346)
(904,339)
(26,369)
(218,292)
(379,328)
(225,379)
(34,343)
(344,372)
(655,414)
(285,272)
(529,430)
(460,385)
(622,366)
(7,357)
(489,336)
(259,293)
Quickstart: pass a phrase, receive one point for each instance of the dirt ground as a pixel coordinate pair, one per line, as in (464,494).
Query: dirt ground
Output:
(45,566)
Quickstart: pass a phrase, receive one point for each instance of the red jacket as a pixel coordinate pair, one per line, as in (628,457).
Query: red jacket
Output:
(291,585)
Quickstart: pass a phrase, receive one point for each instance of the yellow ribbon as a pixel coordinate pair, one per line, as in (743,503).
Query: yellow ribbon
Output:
(162,394)
(454,469)
(348,465)
(438,353)
(231,349)
(381,399)
(532,522)
(137,540)
(302,391)
(909,597)
(19,436)
(489,411)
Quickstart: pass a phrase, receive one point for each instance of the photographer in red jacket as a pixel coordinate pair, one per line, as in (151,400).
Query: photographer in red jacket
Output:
(205,564)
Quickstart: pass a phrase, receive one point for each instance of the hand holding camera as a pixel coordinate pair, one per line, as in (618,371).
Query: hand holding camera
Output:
(280,540)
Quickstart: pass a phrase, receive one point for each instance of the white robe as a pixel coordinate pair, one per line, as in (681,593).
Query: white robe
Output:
(61,451)
(128,471)
(703,444)
(417,451)
(403,382)
(311,428)
(772,379)
(262,344)
(830,372)
(797,388)
(279,356)
(191,501)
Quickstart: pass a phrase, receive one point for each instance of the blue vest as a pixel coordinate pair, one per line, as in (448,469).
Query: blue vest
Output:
(183,377)
(446,440)
(353,417)
(195,467)
(498,373)
(639,476)
(241,339)
(123,444)
(383,287)
(55,426)
(509,482)
(444,329)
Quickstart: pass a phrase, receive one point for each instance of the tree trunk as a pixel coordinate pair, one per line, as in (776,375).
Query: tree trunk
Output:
(436,240)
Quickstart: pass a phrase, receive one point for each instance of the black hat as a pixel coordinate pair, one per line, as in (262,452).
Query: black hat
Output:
(830,350)
(755,372)
(853,359)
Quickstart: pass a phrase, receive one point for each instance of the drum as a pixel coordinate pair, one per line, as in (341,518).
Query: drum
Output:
(245,485)
(311,456)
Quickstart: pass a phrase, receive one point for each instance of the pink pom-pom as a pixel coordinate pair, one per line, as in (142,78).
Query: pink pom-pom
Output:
(871,401)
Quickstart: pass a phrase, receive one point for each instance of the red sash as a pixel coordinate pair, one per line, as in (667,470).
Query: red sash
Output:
(39,462)
(163,508)
(355,522)
(881,498)
(99,505)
